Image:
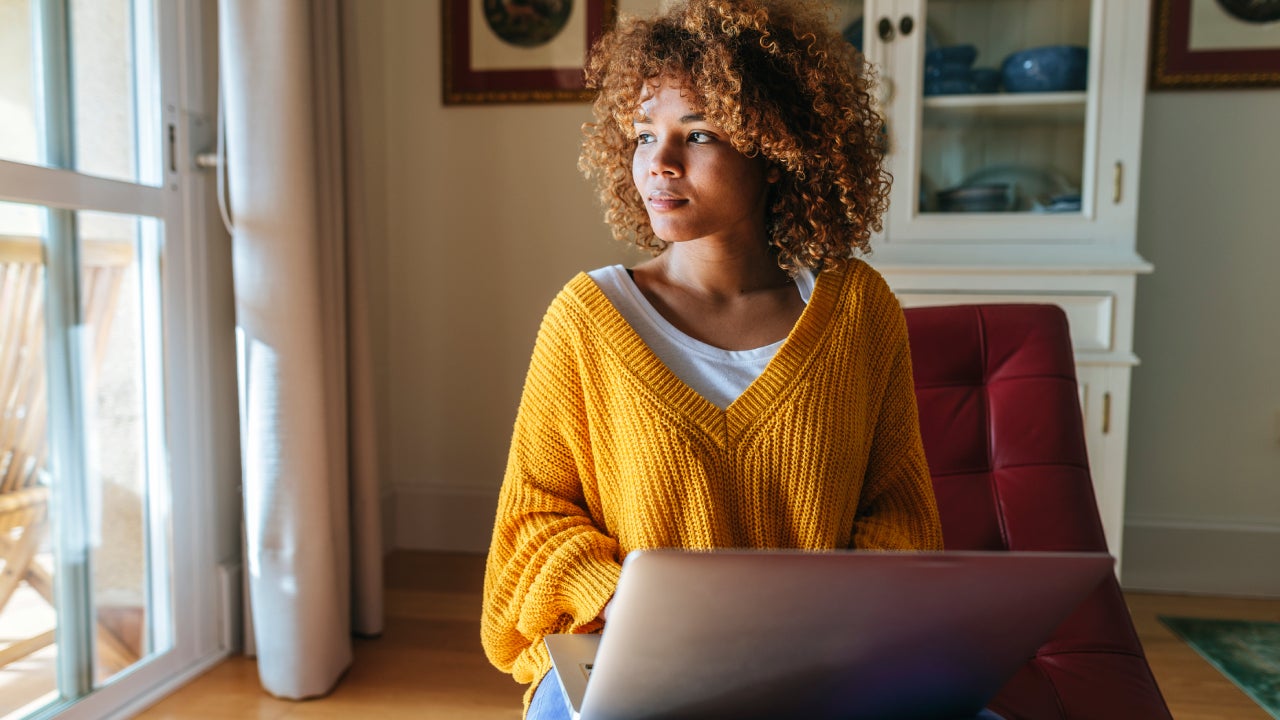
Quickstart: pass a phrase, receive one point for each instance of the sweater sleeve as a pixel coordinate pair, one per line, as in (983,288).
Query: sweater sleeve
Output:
(897,509)
(550,568)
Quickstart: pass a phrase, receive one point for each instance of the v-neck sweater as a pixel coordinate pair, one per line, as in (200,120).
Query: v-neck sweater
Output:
(717,374)
(612,452)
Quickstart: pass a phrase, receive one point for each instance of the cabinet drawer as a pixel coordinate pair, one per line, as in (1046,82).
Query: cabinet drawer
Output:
(1091,316)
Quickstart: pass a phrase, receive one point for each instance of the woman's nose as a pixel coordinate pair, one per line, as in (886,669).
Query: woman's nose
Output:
(666,160)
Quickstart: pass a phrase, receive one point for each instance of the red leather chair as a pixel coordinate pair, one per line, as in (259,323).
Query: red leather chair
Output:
(1001,423)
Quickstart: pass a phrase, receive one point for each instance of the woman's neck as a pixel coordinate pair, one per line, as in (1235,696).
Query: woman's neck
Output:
(719,271)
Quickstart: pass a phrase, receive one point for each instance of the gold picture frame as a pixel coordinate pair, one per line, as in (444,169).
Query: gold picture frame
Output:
(1197,44)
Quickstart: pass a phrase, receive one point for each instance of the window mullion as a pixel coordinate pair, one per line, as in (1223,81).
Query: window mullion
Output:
(65,347)
(53,92)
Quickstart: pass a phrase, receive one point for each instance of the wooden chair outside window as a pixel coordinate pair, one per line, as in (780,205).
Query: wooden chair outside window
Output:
(25,481)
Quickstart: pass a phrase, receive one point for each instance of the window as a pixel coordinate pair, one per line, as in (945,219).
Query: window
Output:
(109,518)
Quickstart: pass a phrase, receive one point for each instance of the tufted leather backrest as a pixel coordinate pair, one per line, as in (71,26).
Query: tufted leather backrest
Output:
(1002,430)
(1000,417)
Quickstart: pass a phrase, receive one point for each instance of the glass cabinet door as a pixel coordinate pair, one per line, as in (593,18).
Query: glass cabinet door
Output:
(1004,92)
(993,116)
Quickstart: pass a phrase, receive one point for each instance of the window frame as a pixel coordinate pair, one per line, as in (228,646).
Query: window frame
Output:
(200,419)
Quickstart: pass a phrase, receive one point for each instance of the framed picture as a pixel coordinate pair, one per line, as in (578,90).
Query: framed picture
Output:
(1215,44)
(510,51)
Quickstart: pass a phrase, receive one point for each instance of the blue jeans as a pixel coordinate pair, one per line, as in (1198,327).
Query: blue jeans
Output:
(548,702)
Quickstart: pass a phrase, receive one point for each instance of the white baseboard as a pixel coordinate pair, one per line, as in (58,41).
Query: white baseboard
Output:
(1202,558)
(230,608)
(452,518)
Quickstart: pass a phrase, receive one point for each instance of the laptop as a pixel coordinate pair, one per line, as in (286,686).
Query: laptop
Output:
(841,634)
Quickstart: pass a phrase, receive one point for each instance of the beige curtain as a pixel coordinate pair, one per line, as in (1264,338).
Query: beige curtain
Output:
(312,530)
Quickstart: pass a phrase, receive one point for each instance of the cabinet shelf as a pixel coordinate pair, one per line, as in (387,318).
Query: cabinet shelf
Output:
(1042,107)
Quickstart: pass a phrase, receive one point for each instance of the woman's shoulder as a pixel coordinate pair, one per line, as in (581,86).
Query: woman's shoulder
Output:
(868,302)
(864,282)
(581,295)
(580,309)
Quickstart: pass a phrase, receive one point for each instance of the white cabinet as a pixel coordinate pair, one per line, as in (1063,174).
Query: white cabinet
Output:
(1104,392)
(1020,196)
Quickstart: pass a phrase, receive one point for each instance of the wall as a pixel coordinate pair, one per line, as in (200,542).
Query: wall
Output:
(477,216)
(1203,502)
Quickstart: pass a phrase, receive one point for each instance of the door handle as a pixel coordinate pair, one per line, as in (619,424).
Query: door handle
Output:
(1106,413)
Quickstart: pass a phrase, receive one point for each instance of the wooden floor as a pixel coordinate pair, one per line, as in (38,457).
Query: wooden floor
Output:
(429,664)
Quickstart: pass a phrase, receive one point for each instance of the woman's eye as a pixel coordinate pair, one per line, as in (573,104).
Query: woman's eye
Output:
(644,138)
(698,136)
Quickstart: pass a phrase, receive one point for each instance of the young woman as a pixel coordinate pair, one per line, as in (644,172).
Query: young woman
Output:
(749,386)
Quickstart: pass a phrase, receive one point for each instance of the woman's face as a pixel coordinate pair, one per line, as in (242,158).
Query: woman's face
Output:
(693,182)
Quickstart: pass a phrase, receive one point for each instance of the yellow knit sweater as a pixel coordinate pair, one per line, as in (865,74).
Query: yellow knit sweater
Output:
(611,452)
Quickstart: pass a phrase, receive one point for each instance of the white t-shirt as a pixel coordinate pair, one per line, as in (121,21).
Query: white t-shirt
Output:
(718,375)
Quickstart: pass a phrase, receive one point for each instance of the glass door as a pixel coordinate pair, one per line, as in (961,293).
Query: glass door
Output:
(1004,107)
(995,116)
(85,533)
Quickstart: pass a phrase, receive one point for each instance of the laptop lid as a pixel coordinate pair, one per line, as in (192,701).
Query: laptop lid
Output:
(572,659)
(847,634)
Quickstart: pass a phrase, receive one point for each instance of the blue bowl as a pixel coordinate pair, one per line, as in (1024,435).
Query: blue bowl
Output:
(853,34)
(1053,68)
(962,86)
(947,71)
(985,80)
(951,55)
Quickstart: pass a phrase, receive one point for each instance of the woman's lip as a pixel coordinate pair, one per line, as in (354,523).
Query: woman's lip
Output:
(666,203)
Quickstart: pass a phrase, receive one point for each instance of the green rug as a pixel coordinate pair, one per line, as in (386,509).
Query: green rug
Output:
(1246,652)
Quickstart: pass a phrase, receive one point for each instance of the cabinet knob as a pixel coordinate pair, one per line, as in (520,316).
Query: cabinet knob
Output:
(886,29)
(906,25)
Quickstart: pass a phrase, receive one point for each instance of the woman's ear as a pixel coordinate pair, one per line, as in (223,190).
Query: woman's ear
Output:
(773,174)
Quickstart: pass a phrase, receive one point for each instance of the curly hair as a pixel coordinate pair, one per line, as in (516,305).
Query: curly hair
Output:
(783,84)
